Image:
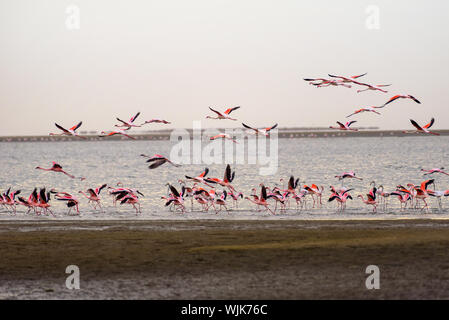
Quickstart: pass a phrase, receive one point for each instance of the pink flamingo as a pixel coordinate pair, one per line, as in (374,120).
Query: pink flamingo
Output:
(57,168)
(158,160)
(229,176)
(436,170)
(350,174)
(371,199)
(367,109)
(265,131)
(262,200)
(155,121)
(399,96)
(111,133)
(424,129)
(345,126)
(130,123)
(94,196)
(68,132)
(223,136)
(224,115)
(70,200)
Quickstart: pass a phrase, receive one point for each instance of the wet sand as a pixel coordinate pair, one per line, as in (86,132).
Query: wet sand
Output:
(225,259)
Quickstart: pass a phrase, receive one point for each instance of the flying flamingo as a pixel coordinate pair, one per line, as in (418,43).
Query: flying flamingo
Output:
(156,121)
(345,126)
(223,136)
(128,124)
(424,129)
(265,131)
(57,168)
(227,179)
(201,177)
(366,109)
(399,96)
(371,198)
(224,115)
(327,82)
(158,160)
(349,174)
(436,170)
(68,132)
(371,87)
(345,79)
(120,131)
(94,195)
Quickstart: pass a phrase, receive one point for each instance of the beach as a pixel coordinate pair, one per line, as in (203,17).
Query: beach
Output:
(225,259)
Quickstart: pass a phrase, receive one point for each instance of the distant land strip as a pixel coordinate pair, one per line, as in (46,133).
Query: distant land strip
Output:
(165,135)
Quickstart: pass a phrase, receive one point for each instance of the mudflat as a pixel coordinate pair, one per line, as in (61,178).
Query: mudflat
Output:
(291,259)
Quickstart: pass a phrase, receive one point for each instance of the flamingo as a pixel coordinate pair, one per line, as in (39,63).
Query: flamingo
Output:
(421,191)
(221,201)
(345,126)
(438,195)
(158,160)
(43,201)
(436,170)
(371,87)
(128,124)
(402,197)
(71,201)
(176,198)
(399,96)
(265,131)
(341,196)
(224,115)
(227,179)
(156,121)
(345,79)
(235,197)
(133,200)
(424,129)
(94,195)
(317,191)
(349,174)
(262,200)
(68,132)
(327,82)
(223,136)
(9,199)
(57,168)
(120,131)
(370,198)
(366,109)
(201,178)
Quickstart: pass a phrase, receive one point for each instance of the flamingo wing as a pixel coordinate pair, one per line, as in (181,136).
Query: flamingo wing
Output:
(414,99)
(231,109)
(77,126)
(204,173)
(217,112)
(157,163)
(417,126)
(61,128)
(392,99)
(430,124)
(272,127)
(361,75)
(134,118)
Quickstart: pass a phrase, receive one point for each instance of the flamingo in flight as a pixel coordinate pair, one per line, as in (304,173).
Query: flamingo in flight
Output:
(366,109)
(436,170)
(326,82)
(68,132)
(345,126)
(229,176)
(396,97)
(156,121)
(265,131)
(57,168)
(223,136)
(350,174)
(120,131)
(128,124)
(224,115)
(371,87)
(201,178)
(158,160)
(94,195)
(347,80)
(424,129)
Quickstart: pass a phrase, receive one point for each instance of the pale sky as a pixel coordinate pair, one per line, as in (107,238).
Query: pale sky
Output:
(174,59)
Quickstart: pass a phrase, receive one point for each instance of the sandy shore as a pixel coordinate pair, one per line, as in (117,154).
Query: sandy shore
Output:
(225,259)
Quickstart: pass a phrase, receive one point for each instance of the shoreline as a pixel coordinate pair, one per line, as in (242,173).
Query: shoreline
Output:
(283,134)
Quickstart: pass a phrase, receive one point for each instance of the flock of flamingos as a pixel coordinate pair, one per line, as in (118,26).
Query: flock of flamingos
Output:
(203,191)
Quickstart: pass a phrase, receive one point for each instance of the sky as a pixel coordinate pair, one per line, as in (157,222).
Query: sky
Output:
(173,59)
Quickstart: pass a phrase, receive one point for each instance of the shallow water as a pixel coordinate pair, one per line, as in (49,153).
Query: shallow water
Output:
(387,160)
